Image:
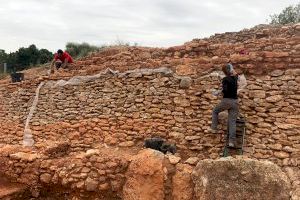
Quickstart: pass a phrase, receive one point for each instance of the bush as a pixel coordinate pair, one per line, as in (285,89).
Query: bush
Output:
(77,50)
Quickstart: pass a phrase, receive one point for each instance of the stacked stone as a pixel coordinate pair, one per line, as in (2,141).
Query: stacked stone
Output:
(110,173)
(124,109)
(16,100)
(90,171)
(255,51)
(257,32)
(95,170)
(273,115)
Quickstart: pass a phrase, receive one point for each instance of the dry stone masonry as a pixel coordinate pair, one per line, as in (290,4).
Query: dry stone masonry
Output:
(91,121)
(124,109)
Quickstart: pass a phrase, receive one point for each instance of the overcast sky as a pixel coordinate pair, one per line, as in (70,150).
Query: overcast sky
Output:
(52,23)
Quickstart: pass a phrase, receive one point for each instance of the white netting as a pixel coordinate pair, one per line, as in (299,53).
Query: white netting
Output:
(242,82)
(77,80)
(27,137)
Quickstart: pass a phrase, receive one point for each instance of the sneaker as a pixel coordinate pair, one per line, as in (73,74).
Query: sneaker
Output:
(232,144)
(210,130)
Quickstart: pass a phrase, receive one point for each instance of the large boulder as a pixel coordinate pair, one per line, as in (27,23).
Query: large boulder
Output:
(238,179)
(145,177)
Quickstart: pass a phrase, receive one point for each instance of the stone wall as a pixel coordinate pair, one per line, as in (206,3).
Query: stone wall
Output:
(99,171)
(125,108)
(122,109)
(256,51)
(110,174)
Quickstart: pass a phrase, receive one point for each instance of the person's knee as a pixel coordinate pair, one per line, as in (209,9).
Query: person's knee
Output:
(215,111)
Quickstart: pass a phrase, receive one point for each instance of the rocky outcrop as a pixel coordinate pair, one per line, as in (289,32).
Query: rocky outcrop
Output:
(145,177)
(240,179)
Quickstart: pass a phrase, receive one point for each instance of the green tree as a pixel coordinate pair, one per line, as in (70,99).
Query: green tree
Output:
(25,58)
(45,56)
(34,54)
(11,61)
(290,14)
(3,56)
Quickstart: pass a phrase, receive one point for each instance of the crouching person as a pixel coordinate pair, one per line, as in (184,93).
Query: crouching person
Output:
(61,60)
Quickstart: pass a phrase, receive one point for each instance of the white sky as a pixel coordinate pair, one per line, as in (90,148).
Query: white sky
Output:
(51,24)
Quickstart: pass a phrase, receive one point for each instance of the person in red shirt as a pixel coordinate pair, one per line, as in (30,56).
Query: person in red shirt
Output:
(61,60)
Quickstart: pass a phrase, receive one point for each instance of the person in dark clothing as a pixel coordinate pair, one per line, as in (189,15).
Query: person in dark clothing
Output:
(229,102)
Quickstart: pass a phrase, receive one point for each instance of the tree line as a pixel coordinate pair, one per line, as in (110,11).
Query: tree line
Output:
(25,58)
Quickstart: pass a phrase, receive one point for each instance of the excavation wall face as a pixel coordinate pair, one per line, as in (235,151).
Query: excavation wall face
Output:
(124,109)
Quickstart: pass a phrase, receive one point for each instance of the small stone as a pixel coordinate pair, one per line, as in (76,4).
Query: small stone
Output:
(174,159)
(92,152)
(80,185)
(85,170)
(277,72)
(35,193)
(115,185)
(126,144)
(184,70)
(45,178)
(104,186)
(275,146)
(274,99)
(139,100)
(185,82)
(176,135)
(285,126)
(257,94)
(294,72)
(182,101)
(91,184)
(281,154)
(192,160)
(194,137)
(289,149)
